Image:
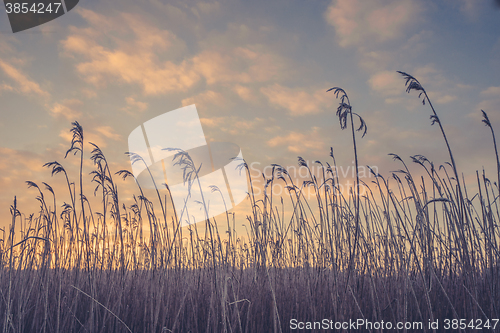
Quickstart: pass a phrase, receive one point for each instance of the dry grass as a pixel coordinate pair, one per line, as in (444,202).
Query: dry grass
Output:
(406,250)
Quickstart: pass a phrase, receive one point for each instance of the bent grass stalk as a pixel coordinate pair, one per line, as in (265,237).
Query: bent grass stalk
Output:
(343,111)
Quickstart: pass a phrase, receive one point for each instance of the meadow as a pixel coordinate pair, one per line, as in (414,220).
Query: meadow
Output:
(402,249)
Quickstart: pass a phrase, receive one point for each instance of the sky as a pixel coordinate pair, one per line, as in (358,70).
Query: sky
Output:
(258,73)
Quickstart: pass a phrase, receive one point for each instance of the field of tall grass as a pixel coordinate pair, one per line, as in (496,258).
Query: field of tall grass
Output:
(402,249)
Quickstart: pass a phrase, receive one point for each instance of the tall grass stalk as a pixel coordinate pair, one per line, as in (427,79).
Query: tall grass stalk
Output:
(343,111)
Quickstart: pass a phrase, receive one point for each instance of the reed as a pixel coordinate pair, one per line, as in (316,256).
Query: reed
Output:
(411,246)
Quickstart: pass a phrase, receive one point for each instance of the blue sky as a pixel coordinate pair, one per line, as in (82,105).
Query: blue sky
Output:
(258,72)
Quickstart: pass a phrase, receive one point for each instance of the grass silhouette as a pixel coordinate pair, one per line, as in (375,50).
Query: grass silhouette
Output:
(404,249)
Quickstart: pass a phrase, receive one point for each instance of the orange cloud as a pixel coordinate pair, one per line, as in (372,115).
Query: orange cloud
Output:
(298,102)
(131,61)
(245,93)
(208,97)
(300,142)
(108,132)
(133,104)
(13,161)
(23,82)
(232,125)
(136,57)
(242,65)
(6,87)
(66,109)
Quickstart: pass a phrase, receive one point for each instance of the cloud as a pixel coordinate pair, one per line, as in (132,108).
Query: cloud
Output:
(491,91)
(375,58)
(444,99)
(95,19)
(212,122)
(357,22)
(245,93)
(388,22)
(206,98)
(88,93)
(134,59)
(6,45)
(387,83)
(299,143)
(15,161)
(203,8)
(240,65)
(6,87)
(297,101)
(144,55)
(133,104)
(108,132)
(471,9)
(24,84)
(155,78)
(233,125)
(66,109)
